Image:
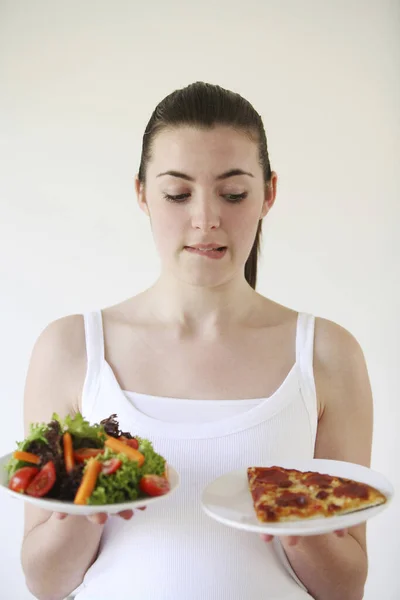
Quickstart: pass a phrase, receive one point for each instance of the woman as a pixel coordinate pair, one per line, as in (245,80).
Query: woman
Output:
(216,375)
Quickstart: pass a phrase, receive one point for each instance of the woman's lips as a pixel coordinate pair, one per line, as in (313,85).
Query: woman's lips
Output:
(208,251)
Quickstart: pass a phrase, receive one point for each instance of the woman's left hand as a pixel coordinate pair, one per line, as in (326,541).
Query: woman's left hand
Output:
(293,539)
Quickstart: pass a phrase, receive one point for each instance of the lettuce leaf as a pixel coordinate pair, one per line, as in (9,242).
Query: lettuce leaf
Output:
(83,433)
(123,485)
(37,441)
(37,433)
(154,463)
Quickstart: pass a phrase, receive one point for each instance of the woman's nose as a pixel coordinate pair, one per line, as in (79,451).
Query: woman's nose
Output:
(205,216)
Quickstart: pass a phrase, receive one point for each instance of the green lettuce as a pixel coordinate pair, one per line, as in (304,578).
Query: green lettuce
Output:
(82,432)
(37,433)
(123,485)
(154,463)
(83,435)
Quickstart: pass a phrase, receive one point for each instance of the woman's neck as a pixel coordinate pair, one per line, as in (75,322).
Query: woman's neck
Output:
(197,309)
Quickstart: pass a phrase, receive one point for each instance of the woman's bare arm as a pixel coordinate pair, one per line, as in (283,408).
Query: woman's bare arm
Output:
(56,553)
(334,568)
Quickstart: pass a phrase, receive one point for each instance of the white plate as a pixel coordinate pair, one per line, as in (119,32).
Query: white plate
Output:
(227,499)
(77,509)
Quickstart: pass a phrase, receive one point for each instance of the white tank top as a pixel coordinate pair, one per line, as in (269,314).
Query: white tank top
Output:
(173,550)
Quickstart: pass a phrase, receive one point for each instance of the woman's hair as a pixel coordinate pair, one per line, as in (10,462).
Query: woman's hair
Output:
(204,106)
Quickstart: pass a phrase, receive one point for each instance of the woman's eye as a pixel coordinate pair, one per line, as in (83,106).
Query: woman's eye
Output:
(183,197)
(235,197)
(177,198)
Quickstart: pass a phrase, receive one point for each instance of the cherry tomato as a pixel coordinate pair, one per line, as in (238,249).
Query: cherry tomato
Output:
(22,478)
(111,465)
(154,485)
(42,483)
(133,443)
(84,453)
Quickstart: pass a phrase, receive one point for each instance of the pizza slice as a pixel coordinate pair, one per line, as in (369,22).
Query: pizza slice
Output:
(281,494)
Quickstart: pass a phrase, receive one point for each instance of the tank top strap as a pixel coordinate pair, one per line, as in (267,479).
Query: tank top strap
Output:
(94,337)
(305,362)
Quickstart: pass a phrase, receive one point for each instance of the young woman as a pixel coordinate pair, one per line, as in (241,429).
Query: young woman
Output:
(216,375)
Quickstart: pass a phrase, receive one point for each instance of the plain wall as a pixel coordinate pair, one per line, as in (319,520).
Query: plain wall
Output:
(78,82)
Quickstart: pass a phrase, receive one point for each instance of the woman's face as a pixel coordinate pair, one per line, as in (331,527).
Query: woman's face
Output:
(205,190)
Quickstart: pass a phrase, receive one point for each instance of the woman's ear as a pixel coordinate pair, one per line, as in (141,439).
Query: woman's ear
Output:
(141,196)
(270,194)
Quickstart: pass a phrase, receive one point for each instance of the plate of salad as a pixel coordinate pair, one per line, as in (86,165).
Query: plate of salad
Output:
(71,466)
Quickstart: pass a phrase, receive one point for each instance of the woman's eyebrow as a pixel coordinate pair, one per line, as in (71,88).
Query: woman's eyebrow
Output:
(233,173)
(226,175)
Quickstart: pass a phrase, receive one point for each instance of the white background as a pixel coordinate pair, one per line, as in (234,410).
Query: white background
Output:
(78,82)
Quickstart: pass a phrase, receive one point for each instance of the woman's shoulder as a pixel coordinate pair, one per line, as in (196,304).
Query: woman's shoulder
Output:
(331,338)
(335,345)
(57,366)
(340,368)
(65,335)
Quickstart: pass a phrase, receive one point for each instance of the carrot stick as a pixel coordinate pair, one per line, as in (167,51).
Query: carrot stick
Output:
(88,481)
(122,448)
(68,452)
(165,474)
(27,457)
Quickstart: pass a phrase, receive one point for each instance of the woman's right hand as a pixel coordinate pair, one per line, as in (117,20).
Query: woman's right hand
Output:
(100,518)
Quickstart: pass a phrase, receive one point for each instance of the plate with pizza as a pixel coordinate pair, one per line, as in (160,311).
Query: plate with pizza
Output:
(298,497)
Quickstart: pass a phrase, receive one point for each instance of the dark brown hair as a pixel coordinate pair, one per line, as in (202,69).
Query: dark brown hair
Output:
(204,105)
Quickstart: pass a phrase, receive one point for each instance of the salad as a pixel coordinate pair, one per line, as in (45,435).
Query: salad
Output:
(74,461)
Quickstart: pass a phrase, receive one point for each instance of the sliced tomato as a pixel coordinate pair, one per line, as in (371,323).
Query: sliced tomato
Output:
(154,485)
(110,466)
(22,478)
(42,483)
(84,453)
(133,443)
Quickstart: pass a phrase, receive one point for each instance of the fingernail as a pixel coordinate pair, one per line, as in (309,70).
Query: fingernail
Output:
(342,532)
(128,514)
(99,519)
